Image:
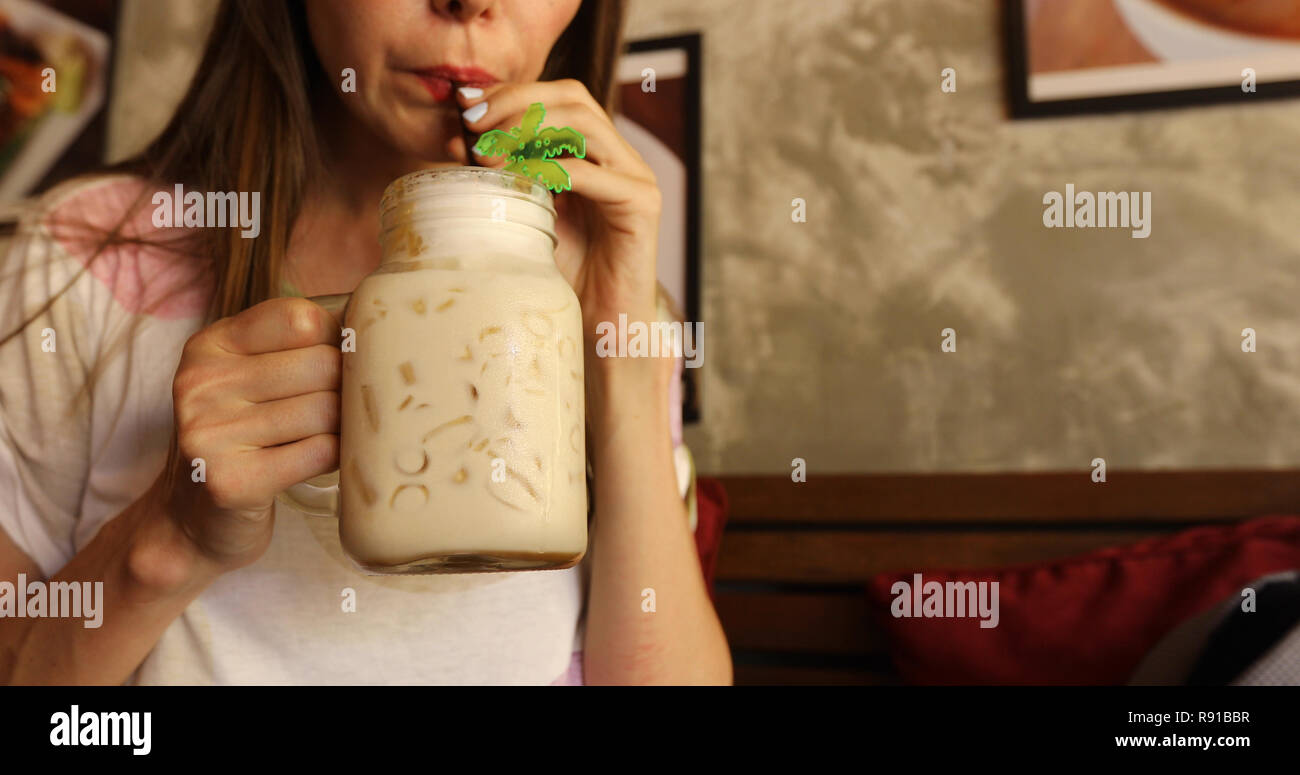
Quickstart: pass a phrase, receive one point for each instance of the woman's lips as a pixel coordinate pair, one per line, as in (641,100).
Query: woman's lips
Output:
(439,80)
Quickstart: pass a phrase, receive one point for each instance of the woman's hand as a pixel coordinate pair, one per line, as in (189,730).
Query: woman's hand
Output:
(609,232)
(256,396)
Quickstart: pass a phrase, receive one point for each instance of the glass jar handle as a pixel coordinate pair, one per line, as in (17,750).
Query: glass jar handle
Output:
(319,495)
(335,303)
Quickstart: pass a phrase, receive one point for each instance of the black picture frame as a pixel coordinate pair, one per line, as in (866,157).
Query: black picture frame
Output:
(1022,107)
(692,45)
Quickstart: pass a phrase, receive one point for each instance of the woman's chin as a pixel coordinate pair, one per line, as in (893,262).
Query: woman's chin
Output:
(426,141)
(421,152)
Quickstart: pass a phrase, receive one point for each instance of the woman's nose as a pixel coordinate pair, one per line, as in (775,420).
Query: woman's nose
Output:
(461,10)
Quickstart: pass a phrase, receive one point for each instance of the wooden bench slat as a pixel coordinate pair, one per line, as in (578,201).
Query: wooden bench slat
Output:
(831,623)
(831,556)
(1152,496)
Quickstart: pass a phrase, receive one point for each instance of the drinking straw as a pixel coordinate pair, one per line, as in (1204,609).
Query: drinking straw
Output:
(467,135)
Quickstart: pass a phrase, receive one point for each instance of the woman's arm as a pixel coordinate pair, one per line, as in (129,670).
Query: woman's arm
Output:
(150,572)
(256,397)
(642,540)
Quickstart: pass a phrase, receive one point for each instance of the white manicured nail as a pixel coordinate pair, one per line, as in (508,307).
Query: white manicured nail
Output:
(476,112)
(470,92)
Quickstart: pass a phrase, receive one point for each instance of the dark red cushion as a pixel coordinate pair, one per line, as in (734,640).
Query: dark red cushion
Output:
(711,518)
(1089,619)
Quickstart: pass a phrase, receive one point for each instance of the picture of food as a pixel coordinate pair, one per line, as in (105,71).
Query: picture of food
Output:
(1082,55)
(1257,17)
(30,70)
(52,82)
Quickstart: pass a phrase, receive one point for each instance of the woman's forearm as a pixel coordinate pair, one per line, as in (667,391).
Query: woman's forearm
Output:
(642,541)
(150,572)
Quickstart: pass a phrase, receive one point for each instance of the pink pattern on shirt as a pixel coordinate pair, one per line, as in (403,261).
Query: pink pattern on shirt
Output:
(143,279)
(572,676)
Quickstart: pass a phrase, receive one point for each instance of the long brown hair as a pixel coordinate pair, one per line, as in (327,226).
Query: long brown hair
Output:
(248,123)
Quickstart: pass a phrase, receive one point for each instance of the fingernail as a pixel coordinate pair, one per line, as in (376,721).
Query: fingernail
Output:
(476,112)
(470,92)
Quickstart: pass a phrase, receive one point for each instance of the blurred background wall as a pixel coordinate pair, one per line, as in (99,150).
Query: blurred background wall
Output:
(924,212)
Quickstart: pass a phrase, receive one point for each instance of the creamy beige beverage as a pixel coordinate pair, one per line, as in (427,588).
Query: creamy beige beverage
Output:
(463,443)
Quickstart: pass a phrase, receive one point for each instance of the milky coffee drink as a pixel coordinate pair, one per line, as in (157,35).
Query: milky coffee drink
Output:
(462,443)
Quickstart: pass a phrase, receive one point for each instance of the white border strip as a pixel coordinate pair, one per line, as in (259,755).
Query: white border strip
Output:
(666,64)
(1163,76)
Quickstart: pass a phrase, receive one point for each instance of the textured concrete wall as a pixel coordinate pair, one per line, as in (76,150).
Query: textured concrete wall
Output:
(924,212)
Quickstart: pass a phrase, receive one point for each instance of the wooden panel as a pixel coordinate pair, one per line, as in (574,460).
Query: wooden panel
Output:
(769,675)
(845,529)
(838,556)
(1177,496)
(836,623)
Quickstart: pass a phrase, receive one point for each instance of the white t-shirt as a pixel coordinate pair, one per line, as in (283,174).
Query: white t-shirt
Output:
(68,466)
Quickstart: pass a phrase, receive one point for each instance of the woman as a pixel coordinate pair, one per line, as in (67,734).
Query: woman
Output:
(112,317)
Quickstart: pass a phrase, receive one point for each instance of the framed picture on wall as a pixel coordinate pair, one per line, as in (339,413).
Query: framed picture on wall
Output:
(54,79)
(659,115)
(1083,56)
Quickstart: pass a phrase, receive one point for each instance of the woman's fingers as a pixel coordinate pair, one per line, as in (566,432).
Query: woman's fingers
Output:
(284,420)
(279,375)
(276,324)
(510,98)
(604,145)
(600,184)
(301,460)
(610,188)
(230,380)
(264,472)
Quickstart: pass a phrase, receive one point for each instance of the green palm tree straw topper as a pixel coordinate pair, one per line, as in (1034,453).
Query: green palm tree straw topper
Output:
(531,149)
